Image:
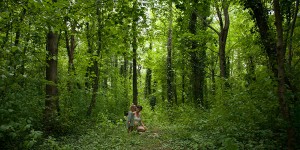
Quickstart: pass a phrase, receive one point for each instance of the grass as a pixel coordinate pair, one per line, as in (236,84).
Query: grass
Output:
(172,130)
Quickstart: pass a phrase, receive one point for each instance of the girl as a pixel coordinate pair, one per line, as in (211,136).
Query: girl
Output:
(138,123)
(130,118)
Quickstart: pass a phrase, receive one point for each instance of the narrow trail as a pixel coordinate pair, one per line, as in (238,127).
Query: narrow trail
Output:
(116,138)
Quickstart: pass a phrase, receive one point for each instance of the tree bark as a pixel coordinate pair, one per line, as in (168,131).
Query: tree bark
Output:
(261,18)
(281,75)
(89,51)
(183,88)
(250,76)
(197,61)
(134,50)
(170,90)
(95,68)
(224,27)
(70,45)
(125,75)
(290,38)
(51,102)
(276,54)
(148,83)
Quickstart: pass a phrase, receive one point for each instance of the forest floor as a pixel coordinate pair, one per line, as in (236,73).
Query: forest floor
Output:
(159,138)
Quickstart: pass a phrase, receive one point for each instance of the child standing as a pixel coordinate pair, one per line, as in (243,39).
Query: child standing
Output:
(130,118)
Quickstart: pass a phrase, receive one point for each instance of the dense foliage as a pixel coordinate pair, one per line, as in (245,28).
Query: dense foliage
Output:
(211,74)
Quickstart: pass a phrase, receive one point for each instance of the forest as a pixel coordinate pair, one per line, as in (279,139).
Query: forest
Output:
(210,74)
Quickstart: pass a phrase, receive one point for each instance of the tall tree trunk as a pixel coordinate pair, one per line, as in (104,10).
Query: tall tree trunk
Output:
(250,76)
(170,93)
(261,18)
(134,49)
(281,75)
(89,51)
(148,83)
(95,68)
(197,63)
(124,72)
(213,80)
(51,101)
(290,38)
(51,110)
(18,32)
(276,56)
(213,72)
(224,27)
(183,87)
(175,89)
(17,39)
(70,45)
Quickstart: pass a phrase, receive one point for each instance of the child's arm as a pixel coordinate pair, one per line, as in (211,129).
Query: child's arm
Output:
(129,116)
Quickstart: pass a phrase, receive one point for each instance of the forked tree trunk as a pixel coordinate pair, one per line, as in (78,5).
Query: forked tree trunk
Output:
(224,27)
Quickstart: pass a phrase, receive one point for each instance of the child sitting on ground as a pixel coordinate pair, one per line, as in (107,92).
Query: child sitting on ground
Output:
(130,118)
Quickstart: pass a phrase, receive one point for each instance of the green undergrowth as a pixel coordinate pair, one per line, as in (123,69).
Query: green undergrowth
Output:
(182,128)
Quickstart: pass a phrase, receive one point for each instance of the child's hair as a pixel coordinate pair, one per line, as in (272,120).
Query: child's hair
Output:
(139,107)
(132,107)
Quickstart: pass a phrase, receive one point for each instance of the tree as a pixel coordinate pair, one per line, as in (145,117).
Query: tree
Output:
(198,51)
(96,56)
(281,75)
(275,49)
(222,34)
(52,100)
(135,19)
(70,45)
(170,73)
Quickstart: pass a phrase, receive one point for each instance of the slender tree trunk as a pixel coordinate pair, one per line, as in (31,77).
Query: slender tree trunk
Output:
(70,45)
(250,77)
(148,83)
(95,78)
(134,50)
(281,76)
(71,68)
(213,80)
(183,83)
(51,101)
(125,75)
(89,51)
(17,38)
(170,93)
(18,32)
(175,89)
(290,38)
